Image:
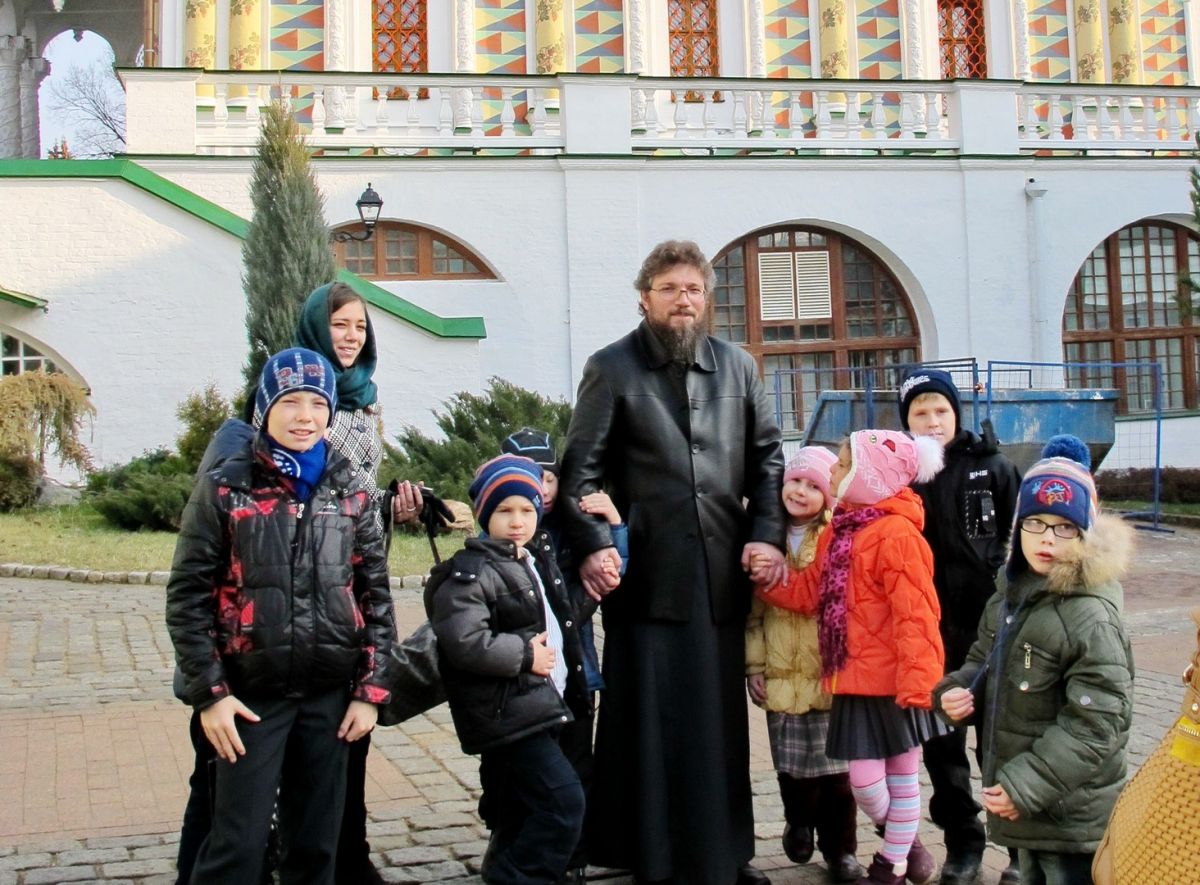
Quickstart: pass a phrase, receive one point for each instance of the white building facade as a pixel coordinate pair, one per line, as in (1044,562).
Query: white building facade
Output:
(863,209)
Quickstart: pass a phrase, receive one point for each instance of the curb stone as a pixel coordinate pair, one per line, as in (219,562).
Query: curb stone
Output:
(94,576)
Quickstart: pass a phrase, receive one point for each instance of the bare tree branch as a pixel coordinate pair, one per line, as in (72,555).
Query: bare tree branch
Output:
(90,99)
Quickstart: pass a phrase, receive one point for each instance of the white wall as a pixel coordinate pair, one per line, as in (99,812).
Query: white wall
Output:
(1136,442)
(140,298)
(146,306)
(143,284)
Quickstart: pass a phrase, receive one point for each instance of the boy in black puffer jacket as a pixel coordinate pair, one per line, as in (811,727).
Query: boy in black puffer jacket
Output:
(969,510)
(279,611)
(511,661)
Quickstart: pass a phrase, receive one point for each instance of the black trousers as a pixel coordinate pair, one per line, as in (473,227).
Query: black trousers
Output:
(575,739)
(953,806)
(310,803)
(197,814)
(824,804)
(533,802)
(353,850)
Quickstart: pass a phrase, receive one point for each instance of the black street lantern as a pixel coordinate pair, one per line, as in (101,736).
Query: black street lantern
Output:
(370,204)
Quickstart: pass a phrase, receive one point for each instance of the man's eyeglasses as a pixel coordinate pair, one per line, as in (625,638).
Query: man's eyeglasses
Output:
(1064,530)
(693,292)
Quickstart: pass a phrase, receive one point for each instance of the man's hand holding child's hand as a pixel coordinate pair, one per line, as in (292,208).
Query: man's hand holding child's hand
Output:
(765,571)
(220,726)
(543,657)
(600,572)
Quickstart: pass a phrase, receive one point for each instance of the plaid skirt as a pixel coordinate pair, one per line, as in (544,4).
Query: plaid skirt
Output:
(863,727)
(798,744)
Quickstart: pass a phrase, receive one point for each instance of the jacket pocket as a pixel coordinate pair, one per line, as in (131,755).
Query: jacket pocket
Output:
(500,698)
(343,607)
(1035,684)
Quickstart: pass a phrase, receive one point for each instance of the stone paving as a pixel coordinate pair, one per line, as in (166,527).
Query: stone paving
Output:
(94,753)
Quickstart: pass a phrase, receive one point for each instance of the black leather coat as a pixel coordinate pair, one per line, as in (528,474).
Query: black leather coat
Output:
(270,596)
(485,608)
(678,451)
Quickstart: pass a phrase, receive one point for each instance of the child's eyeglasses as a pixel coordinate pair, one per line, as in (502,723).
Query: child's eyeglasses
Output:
(1064,530)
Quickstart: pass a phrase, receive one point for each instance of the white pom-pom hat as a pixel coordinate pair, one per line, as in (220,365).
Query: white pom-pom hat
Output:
(885,461)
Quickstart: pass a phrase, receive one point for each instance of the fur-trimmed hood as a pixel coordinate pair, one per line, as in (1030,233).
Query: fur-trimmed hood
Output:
(1103,559)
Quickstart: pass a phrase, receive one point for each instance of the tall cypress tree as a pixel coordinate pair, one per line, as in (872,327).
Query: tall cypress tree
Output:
(286,253)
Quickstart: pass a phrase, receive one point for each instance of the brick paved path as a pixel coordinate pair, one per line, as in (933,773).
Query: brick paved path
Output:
(94,753)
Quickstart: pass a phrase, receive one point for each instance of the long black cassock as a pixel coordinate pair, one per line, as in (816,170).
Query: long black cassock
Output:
(692,459)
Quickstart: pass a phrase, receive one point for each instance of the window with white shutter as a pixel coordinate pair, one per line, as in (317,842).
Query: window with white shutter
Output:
(776,287)
(813,293)
(818,311)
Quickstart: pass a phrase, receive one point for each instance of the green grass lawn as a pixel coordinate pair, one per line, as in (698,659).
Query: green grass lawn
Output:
(78,537)
(1144,506)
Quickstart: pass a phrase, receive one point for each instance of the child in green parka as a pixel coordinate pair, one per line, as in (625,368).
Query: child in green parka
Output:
(1051,678)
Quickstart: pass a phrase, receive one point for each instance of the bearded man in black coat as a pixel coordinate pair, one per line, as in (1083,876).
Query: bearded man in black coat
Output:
(675,425)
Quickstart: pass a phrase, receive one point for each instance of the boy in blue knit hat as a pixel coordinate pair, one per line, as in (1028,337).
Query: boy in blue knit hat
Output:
(1050,679)
(968,516)
(279,610)
(510,658)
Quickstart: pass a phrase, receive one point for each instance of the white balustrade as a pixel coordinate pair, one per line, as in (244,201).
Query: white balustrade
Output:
(406,113)
(1117,119)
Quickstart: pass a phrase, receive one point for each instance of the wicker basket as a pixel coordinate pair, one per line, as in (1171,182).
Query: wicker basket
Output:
(1154,830)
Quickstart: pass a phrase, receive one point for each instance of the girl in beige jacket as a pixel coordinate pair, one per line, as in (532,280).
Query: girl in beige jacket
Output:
(783,675)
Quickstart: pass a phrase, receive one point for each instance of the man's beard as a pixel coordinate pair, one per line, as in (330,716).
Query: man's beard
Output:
(680,342)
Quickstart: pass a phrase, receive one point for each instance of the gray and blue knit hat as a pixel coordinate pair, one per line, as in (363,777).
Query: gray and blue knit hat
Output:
(296,368)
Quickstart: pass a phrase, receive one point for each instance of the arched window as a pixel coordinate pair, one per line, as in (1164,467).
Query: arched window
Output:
(409,252)
(816,310)
(961,41)
(16,356)
(693,38)
(1125,306)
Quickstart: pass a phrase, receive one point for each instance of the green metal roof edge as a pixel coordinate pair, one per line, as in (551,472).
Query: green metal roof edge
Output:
(32,302)
(208,211)
(138,176)
(443,327)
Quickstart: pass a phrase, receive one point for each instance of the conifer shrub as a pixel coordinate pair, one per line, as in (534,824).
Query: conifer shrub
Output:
(19,475)
(148,492)
(201,413)
(473,426)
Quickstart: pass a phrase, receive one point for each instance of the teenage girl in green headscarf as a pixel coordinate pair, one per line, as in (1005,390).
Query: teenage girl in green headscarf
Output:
(335,322)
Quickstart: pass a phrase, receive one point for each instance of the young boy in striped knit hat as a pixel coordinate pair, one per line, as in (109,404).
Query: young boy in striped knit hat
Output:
(1051,675)
(511,660)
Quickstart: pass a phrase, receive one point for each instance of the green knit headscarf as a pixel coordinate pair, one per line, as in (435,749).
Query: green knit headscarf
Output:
(355,389)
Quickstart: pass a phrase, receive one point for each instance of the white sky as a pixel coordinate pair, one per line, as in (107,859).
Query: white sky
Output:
(63,52)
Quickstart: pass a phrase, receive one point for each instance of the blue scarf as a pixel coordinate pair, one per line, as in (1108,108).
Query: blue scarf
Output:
(304,469)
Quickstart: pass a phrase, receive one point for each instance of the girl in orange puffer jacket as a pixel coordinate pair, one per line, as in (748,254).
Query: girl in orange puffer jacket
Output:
(871,587)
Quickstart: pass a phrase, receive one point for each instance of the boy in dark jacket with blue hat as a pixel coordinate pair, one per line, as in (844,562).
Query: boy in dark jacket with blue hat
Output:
(510,658)
(968,518)
(279,611)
